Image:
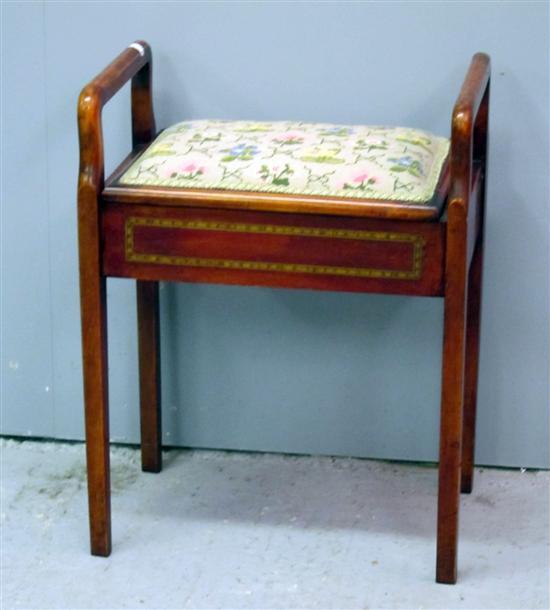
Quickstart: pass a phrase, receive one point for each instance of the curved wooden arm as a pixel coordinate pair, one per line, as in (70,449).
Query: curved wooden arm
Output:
(469,128)
(133,63)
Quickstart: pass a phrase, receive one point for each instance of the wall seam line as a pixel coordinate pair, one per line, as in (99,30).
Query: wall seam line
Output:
(48,216)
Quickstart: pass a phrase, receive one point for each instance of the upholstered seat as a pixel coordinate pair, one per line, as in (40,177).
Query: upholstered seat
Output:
(384,164)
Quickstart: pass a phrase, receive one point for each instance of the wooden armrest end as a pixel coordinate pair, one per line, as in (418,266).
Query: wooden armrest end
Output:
(469,128)
(133,63)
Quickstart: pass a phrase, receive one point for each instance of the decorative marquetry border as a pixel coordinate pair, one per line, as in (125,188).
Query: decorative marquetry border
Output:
(414,273)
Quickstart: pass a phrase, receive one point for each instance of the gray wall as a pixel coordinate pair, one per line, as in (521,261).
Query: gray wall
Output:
(260,369)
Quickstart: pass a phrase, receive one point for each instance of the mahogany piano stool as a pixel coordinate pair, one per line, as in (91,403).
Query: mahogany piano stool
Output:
(289,205)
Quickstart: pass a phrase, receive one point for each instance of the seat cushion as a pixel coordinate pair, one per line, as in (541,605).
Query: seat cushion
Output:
(391,164)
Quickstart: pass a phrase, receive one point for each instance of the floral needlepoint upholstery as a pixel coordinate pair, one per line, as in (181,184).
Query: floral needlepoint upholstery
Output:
(381,163)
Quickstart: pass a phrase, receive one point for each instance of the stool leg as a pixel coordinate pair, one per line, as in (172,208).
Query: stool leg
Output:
(94,349)
(471,370)
(450,451)
(149,375)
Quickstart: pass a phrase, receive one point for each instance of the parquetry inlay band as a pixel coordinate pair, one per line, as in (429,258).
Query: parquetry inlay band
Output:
(413,273)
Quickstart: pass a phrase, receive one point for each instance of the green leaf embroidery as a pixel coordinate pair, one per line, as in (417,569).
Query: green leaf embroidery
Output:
(323,159)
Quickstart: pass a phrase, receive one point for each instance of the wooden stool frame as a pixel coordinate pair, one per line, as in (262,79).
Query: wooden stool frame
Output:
(446,251)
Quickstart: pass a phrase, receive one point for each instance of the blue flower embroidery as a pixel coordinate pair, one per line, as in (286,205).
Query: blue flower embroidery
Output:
(403,161)
(244,152)
(407,164)
(341,132)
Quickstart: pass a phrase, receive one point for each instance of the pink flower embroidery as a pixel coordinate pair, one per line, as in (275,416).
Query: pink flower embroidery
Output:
(192,168)
(177,169)
(289,138)
(361,182)
(167,170)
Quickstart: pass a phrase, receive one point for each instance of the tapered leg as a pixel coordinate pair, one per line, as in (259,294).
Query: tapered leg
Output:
(149,375)
(471,369)
(94,348)
(450,450)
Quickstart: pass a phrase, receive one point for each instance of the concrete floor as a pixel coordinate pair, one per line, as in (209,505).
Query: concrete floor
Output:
(229,530)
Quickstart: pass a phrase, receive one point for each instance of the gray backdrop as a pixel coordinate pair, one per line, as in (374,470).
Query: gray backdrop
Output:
(254,368)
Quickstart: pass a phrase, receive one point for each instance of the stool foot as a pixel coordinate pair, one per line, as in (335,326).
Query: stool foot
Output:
(471,368)
(99,500)
(101,545)
(149,375)
(447,517)
(466,483)
(452,394)
(94,348)
(446,573)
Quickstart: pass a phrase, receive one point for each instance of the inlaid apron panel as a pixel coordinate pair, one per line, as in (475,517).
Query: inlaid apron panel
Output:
(298,251)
